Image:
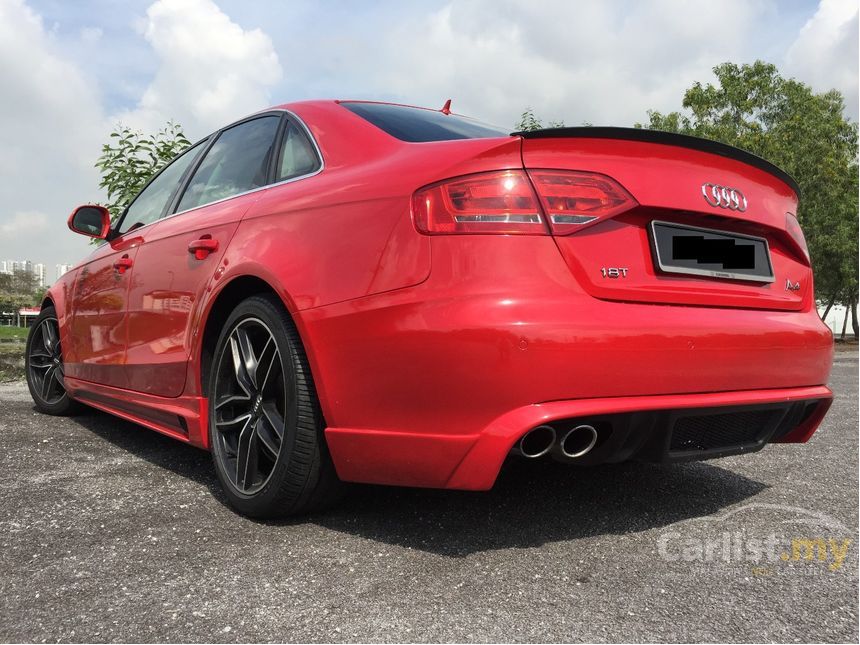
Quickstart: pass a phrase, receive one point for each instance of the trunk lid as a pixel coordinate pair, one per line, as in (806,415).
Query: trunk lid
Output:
(671,177)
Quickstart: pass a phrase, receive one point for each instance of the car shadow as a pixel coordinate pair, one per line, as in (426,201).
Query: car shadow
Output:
(533,502)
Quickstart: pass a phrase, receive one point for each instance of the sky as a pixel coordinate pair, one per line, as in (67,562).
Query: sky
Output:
(70,71)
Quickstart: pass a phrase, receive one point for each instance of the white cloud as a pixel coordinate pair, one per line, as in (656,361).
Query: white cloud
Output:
(825,51)
(602,62)
(91,35)
(52,126)
(211,71)
(66,84)
(25,223)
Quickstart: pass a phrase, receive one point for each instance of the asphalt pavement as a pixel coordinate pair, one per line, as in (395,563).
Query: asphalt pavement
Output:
(111,532)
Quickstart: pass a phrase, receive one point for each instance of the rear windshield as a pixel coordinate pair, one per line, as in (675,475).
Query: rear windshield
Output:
(417,124)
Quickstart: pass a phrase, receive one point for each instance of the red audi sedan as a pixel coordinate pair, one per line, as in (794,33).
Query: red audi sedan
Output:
(334,291)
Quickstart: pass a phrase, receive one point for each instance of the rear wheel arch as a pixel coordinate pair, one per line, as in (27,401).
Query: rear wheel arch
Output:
(224,302)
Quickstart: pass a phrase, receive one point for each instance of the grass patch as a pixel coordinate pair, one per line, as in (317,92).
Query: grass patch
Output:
(11,361)
(13,333)
(13,341)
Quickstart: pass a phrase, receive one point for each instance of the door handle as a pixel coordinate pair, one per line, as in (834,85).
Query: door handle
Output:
(123,264)
(203,247)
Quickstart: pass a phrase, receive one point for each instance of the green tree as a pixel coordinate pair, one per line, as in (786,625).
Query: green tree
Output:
(753,107)
(528,121)
(5,287)
(18,289)
(131,158)
(24,282)
(39,295)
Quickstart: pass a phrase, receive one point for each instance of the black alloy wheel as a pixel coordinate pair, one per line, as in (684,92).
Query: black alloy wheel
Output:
(250,404)
(265,423)
(45,371)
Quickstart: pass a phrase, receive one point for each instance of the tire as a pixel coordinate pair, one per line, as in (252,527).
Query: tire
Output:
(260,380)
(43,365)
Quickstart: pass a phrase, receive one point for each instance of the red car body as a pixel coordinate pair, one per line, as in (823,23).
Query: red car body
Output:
(434,354)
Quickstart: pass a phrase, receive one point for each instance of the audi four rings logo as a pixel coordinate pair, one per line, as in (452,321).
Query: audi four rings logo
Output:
(724,197)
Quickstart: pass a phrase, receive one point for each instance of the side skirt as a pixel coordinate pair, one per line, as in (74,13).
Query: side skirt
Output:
(184,418)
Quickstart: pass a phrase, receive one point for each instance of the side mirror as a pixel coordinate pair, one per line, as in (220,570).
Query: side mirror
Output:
(90,220)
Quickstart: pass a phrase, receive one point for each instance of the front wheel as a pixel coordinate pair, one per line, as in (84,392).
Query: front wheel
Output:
(265,424)
(43,362)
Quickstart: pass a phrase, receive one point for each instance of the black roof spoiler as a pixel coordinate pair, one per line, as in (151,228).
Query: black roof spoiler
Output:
(666,138)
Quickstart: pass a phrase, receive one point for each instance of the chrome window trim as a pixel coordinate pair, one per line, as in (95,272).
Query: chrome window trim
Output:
(289,114)
(205,142)
(728,275)
(307,132)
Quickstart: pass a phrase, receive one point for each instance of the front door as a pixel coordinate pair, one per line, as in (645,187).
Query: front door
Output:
(99,322)
(99,315)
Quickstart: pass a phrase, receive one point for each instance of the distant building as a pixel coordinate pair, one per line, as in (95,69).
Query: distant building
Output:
(63,268)
(10,266)
(41,272)
(836,318)
(38,270)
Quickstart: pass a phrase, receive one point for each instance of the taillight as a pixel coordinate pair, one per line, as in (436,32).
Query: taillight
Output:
(505,202)
(796,233)
(572,199)
(491,202)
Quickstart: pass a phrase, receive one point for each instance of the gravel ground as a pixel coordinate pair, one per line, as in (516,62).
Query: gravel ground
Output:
(114,533)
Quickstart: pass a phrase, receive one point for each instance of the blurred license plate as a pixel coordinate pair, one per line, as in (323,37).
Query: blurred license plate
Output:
(716,254)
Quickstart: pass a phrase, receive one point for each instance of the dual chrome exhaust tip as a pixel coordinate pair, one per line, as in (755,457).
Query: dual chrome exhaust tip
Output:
(537,442)
(574,443)
(578,441)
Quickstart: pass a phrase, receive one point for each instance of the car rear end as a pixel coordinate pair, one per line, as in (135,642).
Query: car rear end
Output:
(617,294)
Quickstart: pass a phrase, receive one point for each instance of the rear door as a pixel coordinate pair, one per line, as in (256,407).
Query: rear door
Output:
(715,197)
(99,320)
(185,248)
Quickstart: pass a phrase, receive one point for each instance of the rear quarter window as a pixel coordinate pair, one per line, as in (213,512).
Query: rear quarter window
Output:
(418,125)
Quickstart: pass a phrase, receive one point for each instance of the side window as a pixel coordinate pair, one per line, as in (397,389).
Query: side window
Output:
(298,156)
(238,161)
(150,203)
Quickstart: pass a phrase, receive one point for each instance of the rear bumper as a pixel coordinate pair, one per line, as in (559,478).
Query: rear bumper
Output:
(639,428)
(432,385)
